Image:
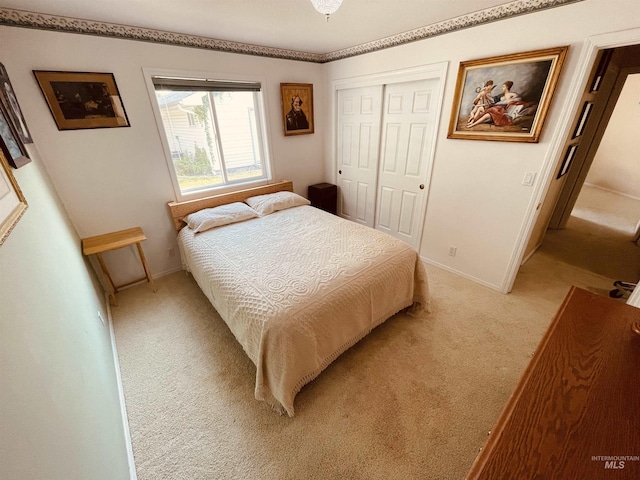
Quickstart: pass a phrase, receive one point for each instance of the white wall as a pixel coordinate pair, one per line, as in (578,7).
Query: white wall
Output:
(477,202)
(60,412)
(616,166)
(111,179)
(59,408)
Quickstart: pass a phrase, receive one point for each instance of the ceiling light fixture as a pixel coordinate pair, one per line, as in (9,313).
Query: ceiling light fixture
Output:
(326,7)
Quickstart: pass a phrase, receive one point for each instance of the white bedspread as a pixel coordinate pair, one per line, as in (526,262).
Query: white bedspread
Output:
(299,287)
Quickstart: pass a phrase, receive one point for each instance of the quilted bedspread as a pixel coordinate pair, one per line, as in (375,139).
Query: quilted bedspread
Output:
(300,286)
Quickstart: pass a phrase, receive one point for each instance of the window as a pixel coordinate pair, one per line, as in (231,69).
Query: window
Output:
(214,132)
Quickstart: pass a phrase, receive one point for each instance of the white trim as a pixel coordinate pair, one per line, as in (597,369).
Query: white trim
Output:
(168,272)
(528,257)
(605,189)
(156,275)
(460,274)
(421,72)
(123,407)
(591,47)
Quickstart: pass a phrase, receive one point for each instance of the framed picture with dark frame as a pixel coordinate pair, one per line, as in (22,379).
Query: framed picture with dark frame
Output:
(505,98)
(79,100)
(297,108)
(10,143)
(12,106)
(12,201)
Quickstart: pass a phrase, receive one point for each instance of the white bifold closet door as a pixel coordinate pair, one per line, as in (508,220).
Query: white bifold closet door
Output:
(385,139)
(359,115)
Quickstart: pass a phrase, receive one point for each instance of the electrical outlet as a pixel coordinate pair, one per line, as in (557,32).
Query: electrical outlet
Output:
(171,251)
(453,251)
(101,318)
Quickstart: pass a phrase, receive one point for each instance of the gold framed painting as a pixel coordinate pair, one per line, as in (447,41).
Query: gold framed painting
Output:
(505,98)
(297,108)
(12,201)
(80,100)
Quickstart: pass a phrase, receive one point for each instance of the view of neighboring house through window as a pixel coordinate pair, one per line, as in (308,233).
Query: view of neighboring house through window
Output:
(213,131)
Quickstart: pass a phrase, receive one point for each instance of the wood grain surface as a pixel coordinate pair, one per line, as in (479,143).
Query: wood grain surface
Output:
(179,210)
(576,412)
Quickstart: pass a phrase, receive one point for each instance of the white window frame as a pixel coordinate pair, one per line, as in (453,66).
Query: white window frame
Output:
(261,124)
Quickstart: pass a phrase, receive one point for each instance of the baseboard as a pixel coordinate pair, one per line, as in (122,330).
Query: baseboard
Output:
(169,272)
(123,407)
(611,191)
(155,277)
(461,274)
(526,259)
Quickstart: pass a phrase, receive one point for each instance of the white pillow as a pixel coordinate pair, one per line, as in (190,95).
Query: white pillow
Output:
(209,218)
(272,202)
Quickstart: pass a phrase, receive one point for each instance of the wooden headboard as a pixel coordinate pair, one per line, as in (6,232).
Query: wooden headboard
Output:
(179,210)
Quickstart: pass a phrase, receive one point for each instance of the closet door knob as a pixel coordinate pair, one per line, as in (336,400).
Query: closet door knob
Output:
(340,172)
(422,186)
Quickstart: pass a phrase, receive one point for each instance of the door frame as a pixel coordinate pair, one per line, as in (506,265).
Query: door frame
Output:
(579,170)
(422,72)
(592,46)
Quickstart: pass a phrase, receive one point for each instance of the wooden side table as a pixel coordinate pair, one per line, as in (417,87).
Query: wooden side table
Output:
(112,241)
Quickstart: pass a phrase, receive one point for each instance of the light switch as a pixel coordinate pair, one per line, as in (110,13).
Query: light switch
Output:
(528,179)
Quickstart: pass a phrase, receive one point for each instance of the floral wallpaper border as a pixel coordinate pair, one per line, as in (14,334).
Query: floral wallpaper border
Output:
(21,18)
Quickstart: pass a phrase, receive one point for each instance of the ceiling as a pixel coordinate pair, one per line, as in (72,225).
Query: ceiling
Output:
(286,24)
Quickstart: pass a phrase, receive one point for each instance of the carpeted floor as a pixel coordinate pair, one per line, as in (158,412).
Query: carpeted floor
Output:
(413,400)
(598,235)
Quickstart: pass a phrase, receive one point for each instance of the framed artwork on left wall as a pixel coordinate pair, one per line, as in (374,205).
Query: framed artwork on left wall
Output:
(10,144)
(12,201)
(10,102)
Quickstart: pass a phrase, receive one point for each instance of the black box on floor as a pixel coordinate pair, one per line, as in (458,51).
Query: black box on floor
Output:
(324,196)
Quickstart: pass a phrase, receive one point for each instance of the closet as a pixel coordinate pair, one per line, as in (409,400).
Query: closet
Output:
(385,146)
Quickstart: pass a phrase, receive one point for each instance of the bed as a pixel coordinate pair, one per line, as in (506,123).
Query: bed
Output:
(296,285)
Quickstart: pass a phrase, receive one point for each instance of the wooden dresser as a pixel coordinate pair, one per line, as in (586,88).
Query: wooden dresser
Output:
(576,412)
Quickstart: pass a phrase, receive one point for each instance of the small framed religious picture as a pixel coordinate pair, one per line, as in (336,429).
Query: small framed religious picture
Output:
(297,108)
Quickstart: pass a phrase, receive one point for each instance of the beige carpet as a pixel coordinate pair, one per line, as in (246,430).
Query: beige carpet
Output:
(598,235)
(413,400)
